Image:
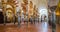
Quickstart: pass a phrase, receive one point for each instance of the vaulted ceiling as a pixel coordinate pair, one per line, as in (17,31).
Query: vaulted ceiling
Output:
(53,2)
(43,3)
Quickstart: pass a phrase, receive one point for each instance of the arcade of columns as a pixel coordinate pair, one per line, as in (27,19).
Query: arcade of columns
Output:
(32,11)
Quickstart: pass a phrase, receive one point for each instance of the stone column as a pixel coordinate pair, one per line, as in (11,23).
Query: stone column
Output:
(4,9)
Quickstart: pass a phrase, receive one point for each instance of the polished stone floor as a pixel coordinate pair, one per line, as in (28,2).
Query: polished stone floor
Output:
(24,27)
(58,28)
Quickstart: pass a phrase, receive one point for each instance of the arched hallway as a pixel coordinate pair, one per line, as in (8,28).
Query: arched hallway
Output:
(29,16)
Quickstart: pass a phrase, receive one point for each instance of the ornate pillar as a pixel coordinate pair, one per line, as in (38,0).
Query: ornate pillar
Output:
(30,10)
(4,9)
(24,7)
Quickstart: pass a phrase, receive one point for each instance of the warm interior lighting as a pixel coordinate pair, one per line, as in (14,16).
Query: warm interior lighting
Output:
(9,13)
(57,13)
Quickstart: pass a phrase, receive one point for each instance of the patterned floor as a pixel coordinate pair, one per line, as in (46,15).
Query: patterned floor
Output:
(24,27)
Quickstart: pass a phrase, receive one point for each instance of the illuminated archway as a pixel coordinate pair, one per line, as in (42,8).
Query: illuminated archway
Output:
(43,12)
